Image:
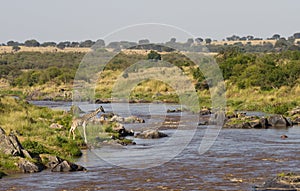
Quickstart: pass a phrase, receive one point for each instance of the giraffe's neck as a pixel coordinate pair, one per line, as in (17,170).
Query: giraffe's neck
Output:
(89,115)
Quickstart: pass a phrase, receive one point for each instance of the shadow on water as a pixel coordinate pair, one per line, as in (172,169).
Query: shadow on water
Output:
(239,159)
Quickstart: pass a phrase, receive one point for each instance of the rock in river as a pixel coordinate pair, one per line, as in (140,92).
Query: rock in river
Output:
(58,164)
(150,134)
(279,121)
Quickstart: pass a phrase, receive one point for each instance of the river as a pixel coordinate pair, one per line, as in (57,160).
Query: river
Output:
(238,159)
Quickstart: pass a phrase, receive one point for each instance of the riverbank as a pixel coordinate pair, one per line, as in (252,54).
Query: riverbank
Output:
(33,129)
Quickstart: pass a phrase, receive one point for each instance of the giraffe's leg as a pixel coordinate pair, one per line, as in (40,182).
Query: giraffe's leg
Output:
(84,131)
(72,130)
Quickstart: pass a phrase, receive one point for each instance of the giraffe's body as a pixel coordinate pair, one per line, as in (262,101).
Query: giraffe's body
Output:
(82,121)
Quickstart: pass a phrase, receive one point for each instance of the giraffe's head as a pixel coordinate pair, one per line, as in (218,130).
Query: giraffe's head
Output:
(100,109)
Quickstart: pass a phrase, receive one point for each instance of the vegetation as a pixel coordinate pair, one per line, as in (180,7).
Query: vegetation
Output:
(32,126)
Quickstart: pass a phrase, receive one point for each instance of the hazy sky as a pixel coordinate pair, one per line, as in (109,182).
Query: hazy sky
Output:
(74,20)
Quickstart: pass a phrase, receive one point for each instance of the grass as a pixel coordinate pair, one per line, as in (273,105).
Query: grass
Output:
(31,125)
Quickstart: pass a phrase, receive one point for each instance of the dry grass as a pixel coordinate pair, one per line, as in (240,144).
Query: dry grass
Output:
(8,49)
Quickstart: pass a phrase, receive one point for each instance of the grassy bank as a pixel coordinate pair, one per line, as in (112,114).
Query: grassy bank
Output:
(31,124)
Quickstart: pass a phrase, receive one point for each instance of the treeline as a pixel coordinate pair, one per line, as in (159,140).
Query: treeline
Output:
(267,71)
(196,45)
(31,68)
(243,69)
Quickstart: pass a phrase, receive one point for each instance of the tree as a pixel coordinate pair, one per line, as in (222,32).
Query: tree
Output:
(32,43)
(144,41)
(190,41)
(61,45)
(153,55)
(208,40)
(12,43)
(296,35)
(74,44)
(45,44)
(173,40)
(199,40)
(87,43)
(16,48)
(276,37)
(250,37)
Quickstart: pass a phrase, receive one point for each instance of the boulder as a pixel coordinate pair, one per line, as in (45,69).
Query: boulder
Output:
(289,181)
(133,119)
(205,111)
(118,127)
(57,164)
(174,110)
(150,134)
(130,119)
(10,145)
(66,166)
(117,118)
(279,121)
(256,124)
(29,167)
(295,111)
(264,122)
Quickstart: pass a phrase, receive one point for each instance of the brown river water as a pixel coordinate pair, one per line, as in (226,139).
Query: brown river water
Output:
(238,160)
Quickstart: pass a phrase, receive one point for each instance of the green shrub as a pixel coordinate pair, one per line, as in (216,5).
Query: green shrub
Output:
(34,147)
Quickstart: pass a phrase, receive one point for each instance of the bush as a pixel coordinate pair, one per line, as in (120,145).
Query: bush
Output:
(34,147)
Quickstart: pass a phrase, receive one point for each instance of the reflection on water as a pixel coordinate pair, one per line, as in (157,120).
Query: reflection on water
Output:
(238,160)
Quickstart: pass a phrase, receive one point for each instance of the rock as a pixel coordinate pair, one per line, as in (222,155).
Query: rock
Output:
(58,164)
(150,134)
(66,166)
(174,110)
(294,111)
(56,126)
(202,123)
(264,122)
(288,182)
(134,119)
(283,136)
(130,119)
(278,121)
(10,144)
(29,167)
(117,118)
(205,111)
(296,120)
(256,124)
(100,101)
(118,127)
(241,125)
(107,115)
(2,174)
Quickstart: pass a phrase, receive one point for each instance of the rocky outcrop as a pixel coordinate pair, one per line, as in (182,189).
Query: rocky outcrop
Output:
(27,166)
(57,164)
(118,127)
(289,181)
(279,121)
(246,122)
(130,119)
(150,134)
(295,111)
(10,145)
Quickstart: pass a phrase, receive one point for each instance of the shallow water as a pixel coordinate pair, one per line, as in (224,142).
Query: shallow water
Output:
(238,160)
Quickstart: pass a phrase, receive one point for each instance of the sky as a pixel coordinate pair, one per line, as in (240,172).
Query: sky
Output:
(156,20)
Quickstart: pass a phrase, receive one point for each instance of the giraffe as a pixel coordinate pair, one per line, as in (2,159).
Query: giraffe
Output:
(82,121)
